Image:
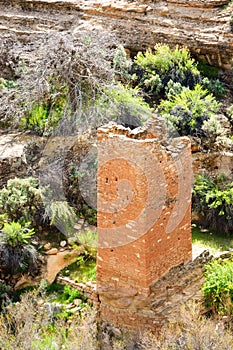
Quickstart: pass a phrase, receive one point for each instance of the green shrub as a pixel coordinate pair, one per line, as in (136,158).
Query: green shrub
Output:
(122,65)
(188,109)
(124,105)
(15,234)
(17,255)
(213,198)
(214,86)
(154,69)
(88,238)
(218,286)
(69,294)
(44,115)
(21,200)
(89,214)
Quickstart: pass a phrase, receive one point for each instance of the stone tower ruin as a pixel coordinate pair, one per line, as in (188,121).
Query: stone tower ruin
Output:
(144,199)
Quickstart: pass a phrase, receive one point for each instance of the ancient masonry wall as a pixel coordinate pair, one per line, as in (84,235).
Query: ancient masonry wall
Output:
(144,194)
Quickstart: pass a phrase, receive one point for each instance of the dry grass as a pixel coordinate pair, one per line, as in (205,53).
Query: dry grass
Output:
(194,332)
(31,325)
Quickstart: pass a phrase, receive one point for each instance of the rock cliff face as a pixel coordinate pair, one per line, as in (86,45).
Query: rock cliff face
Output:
(205,27)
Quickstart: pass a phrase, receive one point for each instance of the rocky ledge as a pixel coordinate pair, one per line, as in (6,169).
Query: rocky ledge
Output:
(205,27)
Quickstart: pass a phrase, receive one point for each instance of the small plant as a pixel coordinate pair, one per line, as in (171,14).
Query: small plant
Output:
(213,129)
(69,294)
(62,216)
(17,255)
(121,64)
(36,119)
(89,214)
(218,286)
(88,238)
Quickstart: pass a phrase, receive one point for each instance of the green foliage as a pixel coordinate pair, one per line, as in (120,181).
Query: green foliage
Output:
(69,294)
(215,193)
(218,286)
(62,216)
(84,268)
(16,234)
(88,238)
(164,59)
(89,214)
(206,70)
(6,84)
(44,115)
(21,200)
(154,69)
(188,109)
(213,198)
(35,119)
(124,105)
(17,255)
(173,89)
(121,64)
(64,294)
(214,86)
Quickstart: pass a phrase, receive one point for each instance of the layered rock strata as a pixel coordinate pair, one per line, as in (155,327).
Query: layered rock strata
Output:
(205,27)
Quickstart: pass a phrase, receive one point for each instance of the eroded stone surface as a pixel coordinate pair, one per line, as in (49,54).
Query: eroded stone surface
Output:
(13,156)
(203,26)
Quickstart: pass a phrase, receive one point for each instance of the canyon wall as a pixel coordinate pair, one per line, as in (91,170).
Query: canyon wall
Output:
(205,27)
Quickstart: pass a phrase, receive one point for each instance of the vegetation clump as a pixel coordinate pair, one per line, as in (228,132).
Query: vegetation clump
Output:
(218,286)
(21,200)
(213,198)
(189,109)
(17,254)
(154,69)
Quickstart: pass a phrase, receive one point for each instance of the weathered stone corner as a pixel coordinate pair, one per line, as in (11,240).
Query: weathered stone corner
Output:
(144,196)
